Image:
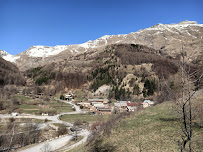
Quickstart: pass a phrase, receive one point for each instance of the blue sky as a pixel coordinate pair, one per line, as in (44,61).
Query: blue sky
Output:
(24,23)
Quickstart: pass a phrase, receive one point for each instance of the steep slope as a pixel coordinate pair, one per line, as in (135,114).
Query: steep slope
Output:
(130,70)
(166,38)
(10,74)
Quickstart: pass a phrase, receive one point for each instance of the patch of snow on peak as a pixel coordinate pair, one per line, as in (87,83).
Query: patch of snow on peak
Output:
(3,53)
(100,41)
(87,44)
(95,43)
(11,58)
(45,51)
(122,35)
(173,27)
(105,37)
(188,22)
(8,57)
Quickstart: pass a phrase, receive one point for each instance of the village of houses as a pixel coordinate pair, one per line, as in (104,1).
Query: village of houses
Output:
(104,106)
(101,106)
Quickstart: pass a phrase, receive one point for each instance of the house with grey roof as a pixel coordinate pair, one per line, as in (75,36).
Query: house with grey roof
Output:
(147,103)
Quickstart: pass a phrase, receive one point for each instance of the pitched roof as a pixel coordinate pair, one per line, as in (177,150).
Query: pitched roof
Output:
(148,101)
(131,108)
(98,105)
(120,104)
(132,104)
(91,100)
(123,101)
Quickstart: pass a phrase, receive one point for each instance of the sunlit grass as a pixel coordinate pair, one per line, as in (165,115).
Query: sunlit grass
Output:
(155,129)
(84,117)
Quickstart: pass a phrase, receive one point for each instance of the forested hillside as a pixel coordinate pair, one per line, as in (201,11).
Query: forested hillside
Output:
(130,70)
(10,74)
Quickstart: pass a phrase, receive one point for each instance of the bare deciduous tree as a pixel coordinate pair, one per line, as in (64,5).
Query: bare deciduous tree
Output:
(185,104)
(11,136)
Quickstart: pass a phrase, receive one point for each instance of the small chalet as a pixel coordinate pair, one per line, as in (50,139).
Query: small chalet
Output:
(132,106)
(100,106)
(84,104)
(121,105)
(69,95)
(147,103)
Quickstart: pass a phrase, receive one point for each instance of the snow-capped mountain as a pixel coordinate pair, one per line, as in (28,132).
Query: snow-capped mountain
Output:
(45,51)
(7,56)
(174,27)
(167,38)
(3,53)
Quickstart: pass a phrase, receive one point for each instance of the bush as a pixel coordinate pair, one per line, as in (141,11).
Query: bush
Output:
(62,130)
(136,89)
(51,112)
(99,147)
(62,97)
(2,105)
(46,120)
(149,87)
(77,123)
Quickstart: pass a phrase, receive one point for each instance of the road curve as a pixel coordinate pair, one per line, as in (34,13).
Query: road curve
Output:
(57,142)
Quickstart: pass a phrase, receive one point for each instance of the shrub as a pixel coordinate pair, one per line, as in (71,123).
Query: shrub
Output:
(99,147)
(62,97)
(136,89)
(149,87)
(62,130)
(132,82)
(51,112)
(77,123)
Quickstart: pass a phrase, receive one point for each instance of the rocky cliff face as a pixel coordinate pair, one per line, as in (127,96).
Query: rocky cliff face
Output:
(168,39)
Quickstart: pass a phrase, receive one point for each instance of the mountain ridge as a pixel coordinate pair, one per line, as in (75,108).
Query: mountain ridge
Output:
(168,38)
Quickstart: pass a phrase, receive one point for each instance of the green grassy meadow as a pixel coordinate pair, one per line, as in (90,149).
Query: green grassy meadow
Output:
(155,129)
(84,117)
(33,106)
